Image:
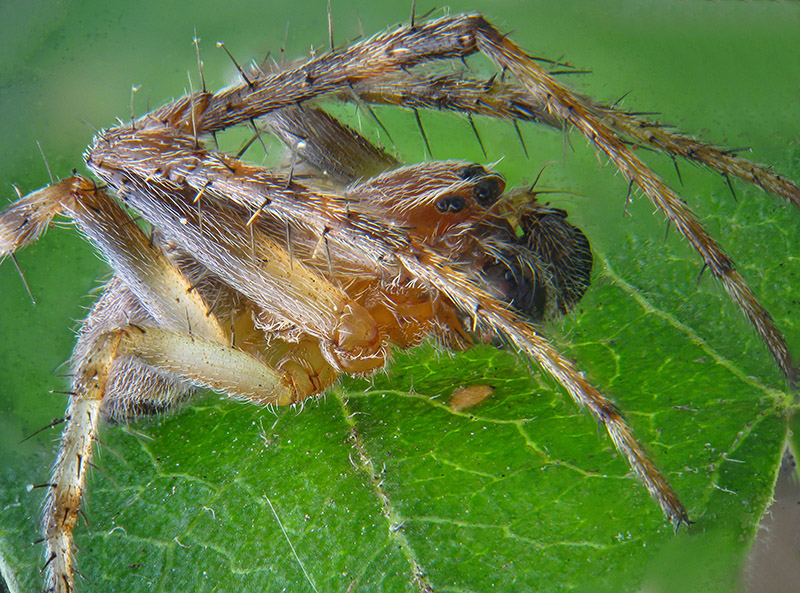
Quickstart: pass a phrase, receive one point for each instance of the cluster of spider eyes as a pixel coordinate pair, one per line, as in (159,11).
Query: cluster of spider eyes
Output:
(486,190)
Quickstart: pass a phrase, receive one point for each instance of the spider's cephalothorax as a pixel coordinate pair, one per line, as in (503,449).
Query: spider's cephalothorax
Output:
(266,285)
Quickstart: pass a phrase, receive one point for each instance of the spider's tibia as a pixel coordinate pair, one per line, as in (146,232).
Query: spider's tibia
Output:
(143,267)
(453,92)
(726,162)
(69,476)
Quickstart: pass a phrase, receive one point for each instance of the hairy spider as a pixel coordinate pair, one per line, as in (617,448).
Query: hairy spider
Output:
(296,243)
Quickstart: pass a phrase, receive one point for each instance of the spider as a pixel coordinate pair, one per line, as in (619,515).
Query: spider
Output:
(305,250)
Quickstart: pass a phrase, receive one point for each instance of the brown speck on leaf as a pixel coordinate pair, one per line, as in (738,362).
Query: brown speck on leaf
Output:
(467,397)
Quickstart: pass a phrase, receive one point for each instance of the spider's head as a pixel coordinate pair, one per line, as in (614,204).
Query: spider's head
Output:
(532,258)
(434,199)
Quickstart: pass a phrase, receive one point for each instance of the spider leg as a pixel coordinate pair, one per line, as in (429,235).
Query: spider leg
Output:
(105,383)
(28,218)
(146,271)
(103,370)
(134,388)
(461,289)
(150,338)
(582,114)
(334,151)
(493,98)
(385,53)
(394,52)
(454,92)
(377,70)
(161,174)
(725,161)
(69,476)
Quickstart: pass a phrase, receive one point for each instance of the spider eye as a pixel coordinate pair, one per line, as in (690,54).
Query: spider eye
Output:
(450,203)
(471,172)
(487,190)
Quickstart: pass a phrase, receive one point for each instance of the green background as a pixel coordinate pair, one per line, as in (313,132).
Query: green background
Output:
(522,493)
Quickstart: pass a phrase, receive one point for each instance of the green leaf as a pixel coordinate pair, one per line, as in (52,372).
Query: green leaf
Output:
(380,486)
